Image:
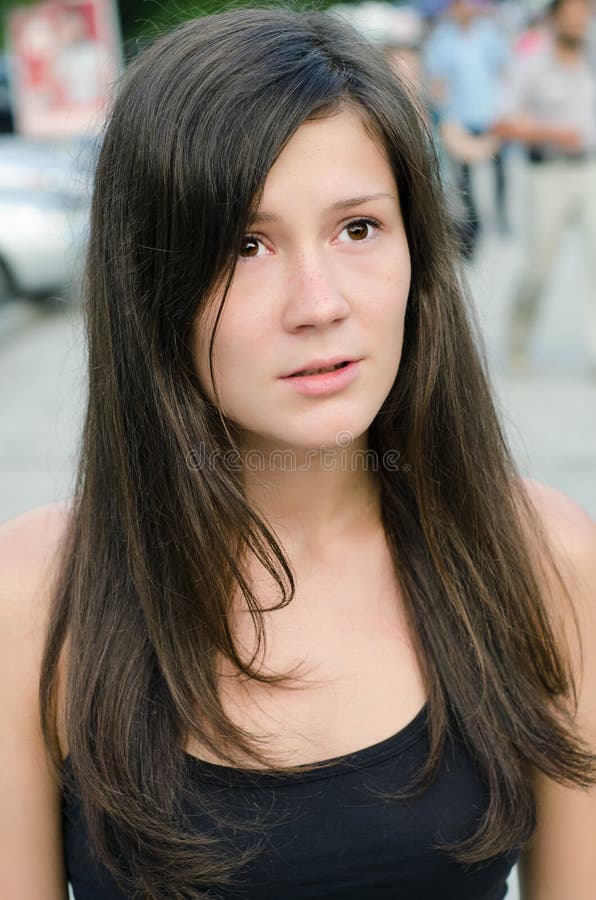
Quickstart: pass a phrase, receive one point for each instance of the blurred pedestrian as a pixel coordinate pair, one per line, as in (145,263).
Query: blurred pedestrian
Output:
(533,36)
(464,59)
(401,43)
(551,108)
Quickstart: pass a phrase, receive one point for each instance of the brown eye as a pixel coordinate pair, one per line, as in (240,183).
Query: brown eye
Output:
(358,230)
(251,244)
(361,230)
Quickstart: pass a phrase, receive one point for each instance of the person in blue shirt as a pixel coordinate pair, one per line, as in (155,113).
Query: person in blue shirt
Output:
(464,59)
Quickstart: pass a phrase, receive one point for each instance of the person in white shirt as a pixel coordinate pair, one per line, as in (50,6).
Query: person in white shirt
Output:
(551,108)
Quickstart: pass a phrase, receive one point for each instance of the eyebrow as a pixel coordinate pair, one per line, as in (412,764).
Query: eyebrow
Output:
(335,207)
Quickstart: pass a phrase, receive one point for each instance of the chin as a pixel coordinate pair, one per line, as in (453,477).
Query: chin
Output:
(327,435)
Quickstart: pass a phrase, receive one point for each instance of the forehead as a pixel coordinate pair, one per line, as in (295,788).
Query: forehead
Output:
(328,156)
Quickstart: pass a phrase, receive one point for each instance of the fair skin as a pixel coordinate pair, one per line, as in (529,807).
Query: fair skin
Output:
(346,622)
(559,861)
(315,280)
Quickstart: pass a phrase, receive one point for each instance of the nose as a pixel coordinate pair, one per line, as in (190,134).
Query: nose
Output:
(313,298)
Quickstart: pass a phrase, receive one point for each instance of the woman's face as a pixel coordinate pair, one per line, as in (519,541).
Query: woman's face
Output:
(322,276)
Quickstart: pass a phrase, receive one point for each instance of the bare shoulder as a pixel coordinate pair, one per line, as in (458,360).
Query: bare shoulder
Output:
(28,545)
(565,519)
(569,528)
(31,851)
(560,858)
(571,599)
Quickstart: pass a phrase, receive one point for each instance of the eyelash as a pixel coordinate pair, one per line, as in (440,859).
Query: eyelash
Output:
(367,220)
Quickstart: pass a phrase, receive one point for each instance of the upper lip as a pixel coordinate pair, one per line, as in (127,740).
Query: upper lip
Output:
(320,364)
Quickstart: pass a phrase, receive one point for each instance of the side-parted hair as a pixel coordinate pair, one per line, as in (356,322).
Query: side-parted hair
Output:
(156,545)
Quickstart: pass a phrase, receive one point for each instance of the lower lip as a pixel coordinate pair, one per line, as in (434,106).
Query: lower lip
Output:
(326,382)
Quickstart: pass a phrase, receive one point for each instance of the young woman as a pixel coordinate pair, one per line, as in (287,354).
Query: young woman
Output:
(299,633)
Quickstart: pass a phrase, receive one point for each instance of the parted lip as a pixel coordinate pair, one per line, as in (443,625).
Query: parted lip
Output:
(320,364)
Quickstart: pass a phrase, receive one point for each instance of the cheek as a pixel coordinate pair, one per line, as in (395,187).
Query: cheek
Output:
(201,365)
(395,289)
(201,339)
(404,279)
(233,353)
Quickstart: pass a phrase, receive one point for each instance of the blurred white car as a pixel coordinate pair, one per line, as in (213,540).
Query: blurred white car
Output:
(45,193)
(45,165)
(42,243)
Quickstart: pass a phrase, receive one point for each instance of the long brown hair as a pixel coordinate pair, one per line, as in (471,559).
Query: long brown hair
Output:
(155,542)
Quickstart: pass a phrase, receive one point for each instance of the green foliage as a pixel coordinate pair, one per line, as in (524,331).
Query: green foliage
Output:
(7,5)
(143,19)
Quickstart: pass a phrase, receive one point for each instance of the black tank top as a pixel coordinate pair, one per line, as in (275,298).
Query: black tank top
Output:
(332,836)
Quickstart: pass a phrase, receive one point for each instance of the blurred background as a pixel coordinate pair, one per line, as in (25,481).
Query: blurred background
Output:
(510,92)
(509,89)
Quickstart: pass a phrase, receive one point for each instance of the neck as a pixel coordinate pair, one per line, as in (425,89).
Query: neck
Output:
(311,497)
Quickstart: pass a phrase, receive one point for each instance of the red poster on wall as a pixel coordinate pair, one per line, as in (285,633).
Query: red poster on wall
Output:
(65,60)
